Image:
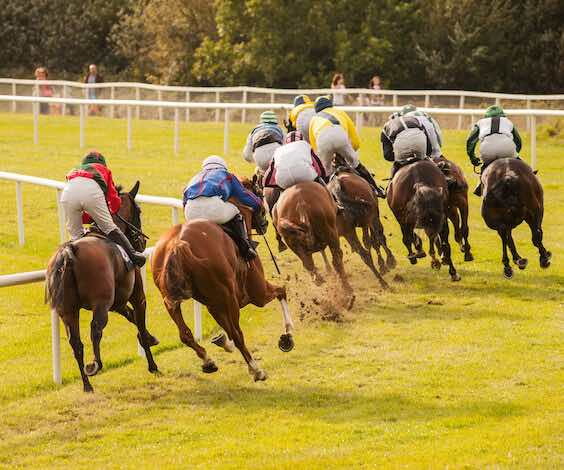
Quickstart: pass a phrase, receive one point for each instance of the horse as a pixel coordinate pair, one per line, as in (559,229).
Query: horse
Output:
(305,216)
(457,203)
(418,198)
(199,260)
(513,194)
(360,209)
(90,273)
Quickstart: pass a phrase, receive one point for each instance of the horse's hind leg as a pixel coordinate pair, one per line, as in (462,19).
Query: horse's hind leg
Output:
(97,325)
(73,330)
(445,245)
(309,265)
(337,255)
(408,240)
(369,243)
(520,262)
(537,234)
(435,263)
(365,255)
(379,240)
(507,270)
(187,338)
(463,208)
(128,313)
(139,303)
(328,267)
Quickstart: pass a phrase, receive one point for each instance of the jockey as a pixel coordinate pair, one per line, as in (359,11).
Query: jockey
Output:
(301,115)
(431,127)
(498,138)
(331,131)
(263,140)
(404,138)
(206,197)
(293,163)
(91,195)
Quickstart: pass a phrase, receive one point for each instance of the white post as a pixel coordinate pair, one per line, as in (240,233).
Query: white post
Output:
(534,142)
(244,111)
(360,116)
(14,103)
(395,100)
(217,110)
(64,107)
(272,97)
(19,205)
(129,146)
(497,101)
(56,347)
(82,113)
(176,129)
(461,106)
(61,213)
(112,97)
(35,123)
(137,98)
(427,100)
(528,117)
(187,109)
(175,218)
(226,134)
(160,95)
(197,321)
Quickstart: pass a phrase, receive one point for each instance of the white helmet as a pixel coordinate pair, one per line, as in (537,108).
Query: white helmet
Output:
(214,161)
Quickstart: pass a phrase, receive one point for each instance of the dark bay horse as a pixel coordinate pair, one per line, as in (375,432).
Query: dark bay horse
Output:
(513,194)
(305,216)
(199,260)
(457,203)
(90,273)
(418,198)
(360,209)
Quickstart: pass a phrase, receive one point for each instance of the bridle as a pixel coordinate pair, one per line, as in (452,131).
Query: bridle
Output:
(136,235)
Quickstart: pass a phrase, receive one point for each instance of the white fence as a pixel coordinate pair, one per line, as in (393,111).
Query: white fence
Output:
(359,111)
(38,276)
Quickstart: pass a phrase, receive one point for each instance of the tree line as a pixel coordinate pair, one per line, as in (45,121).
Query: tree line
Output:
(495,45)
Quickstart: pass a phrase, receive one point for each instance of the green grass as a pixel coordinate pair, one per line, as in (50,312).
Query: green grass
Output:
(433,374)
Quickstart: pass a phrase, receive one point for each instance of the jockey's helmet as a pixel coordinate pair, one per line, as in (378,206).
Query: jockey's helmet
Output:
(301,99)
(294,136)
(269,117)
(494,111)
(94,157)
(214,161)
(323,102)
(408,108)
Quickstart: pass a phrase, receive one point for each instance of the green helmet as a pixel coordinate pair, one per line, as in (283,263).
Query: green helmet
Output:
(301,99)
(94,157)
(494,111)
(323,102)
(269,117)
(408,108)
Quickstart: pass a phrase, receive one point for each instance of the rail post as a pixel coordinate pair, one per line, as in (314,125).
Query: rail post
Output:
(137,98)
(82,113)
(534,142)
(35,123)
(461,106)
(197,321)
(61,214)
(528,117)
(19,205)
(56,347)
(187,109)
(244,111)
(14,103)
(176,129)
(129,145)
(160,96)
(395,100)
(217,109)
(113,97)
(226,133)
(427,100)
(175,218)
(64,107)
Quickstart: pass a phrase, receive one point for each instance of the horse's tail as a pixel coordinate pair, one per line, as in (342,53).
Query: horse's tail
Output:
(175,279)
(355,206)
(505,192)
(428,204)
(59,272)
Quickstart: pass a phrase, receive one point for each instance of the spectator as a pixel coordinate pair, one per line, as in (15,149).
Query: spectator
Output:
(92,76)
(376,84)
(338,83)
(43,90)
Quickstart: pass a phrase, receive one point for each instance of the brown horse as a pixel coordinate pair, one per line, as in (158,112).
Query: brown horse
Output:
(457,203)
(306,218)
(90,273)
(360,209)
(199,260)
(513,194)
(418,197)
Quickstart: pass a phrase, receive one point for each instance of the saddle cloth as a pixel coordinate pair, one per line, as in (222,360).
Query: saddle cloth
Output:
(94,232)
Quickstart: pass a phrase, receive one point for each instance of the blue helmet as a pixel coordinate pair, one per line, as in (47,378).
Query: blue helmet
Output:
(323,102)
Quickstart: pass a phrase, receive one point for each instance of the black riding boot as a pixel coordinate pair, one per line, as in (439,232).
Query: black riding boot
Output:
(367,176)
(118,237)
(237,227)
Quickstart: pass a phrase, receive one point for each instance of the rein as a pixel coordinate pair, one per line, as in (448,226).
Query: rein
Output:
(132,227)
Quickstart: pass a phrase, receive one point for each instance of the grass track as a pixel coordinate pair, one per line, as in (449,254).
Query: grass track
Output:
(433,374)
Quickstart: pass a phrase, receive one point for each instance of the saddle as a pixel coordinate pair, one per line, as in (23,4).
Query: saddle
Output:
(94,231)
(446,169)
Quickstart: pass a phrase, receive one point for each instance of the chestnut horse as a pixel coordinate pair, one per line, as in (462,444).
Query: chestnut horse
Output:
(418,197)
(457,203)
(199,260)
(513,194)
(305,216)
(90,273)
(360,209)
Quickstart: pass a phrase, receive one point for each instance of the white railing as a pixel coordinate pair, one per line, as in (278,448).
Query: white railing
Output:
(38,276)
(531,114)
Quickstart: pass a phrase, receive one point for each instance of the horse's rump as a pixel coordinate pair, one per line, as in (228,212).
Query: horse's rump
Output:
(59,273)
(354,194)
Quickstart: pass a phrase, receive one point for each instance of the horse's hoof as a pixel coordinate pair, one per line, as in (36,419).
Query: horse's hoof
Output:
(209,367)
(351,302)
(455,277)
(155,370)
(420,254)
(522,263)
(88,388)
(412,259)
(260,375)
(286,342)
(318,280)
(545,260)
(92,369)
(468,256)
(436,264)
(508,272)
(153,340)
(219,340)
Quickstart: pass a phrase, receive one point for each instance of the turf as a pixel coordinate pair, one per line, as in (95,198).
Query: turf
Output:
(431,375)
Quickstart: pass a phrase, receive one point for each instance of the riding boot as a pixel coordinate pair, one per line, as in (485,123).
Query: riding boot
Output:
(241,238)
(478,190)
(118,237)
(367,176)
